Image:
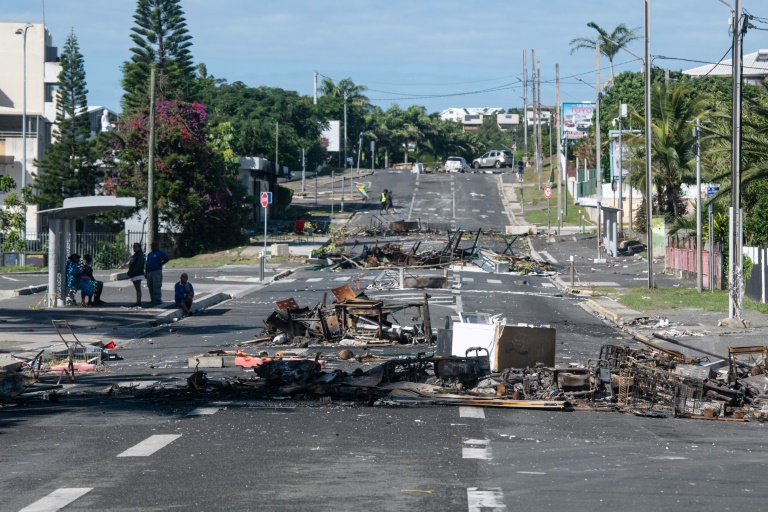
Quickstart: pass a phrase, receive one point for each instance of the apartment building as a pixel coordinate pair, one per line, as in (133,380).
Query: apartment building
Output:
(42,71)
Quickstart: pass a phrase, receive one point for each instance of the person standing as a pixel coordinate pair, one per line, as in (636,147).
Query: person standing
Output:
(183,294)
(383,203)
(136,271)
(390,204)
(155,261)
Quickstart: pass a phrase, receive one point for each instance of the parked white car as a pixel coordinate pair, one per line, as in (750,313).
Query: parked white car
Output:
(456,164)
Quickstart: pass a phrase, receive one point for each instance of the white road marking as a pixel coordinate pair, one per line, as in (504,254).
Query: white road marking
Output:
(476,449)
(475,211)
(10,278)
(314,279)
(493,281)
(547,285)
(345,278)
(417,209)
(548,256)
(461,210)
(287,280)
(490,211)
(150,445)
(431,209)
(203,411)
(468,279)
(485,500)
(446,209)
(471,412)
(58,499)
(531,473)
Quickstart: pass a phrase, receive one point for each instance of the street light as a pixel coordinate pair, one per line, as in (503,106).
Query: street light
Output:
(23,256)
(648,184)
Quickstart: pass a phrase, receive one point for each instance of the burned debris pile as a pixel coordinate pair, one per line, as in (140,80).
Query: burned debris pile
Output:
(460,247)
(352,319)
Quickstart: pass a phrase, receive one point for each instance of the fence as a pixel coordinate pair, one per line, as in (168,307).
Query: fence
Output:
(681,257)
(108,249)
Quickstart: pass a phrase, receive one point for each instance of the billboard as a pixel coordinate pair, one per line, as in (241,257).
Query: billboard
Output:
(331,137)
(577,119)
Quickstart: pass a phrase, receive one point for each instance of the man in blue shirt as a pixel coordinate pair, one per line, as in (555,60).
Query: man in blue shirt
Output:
(184,293)
(155,261)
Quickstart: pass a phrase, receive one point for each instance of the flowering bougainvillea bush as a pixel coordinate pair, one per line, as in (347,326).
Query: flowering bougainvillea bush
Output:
(195,193)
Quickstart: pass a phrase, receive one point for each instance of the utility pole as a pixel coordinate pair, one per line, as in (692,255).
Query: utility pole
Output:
(735,253)
(277,146)
(151,162)
(558,171)
(598,176)
(535,117)
(622,113)
(525,105)
(538,122)
(648,134)
(314,96)
(303,172)
(345,129)
(699,258)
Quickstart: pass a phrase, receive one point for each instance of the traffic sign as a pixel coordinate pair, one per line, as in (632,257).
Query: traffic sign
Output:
(266,199)
(712,190)
(548,192)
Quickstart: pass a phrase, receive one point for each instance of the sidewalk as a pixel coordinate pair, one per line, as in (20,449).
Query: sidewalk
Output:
(26,328)
(695,333)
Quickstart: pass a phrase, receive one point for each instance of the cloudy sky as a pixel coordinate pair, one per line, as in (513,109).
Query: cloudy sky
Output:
(436,53)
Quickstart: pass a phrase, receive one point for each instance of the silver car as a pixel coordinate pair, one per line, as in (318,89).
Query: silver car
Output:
(497,159)
(456,164)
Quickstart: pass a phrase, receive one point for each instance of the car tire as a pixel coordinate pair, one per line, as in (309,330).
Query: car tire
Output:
(476,165)
(497,164)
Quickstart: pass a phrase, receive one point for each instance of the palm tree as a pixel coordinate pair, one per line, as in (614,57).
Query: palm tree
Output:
(610,44)
(673,109)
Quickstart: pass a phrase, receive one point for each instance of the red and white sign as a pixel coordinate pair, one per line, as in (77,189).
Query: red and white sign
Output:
(266,198)
(547,191)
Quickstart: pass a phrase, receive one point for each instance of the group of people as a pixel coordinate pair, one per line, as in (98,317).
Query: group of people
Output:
(386,201)
(150,267)
(80,278)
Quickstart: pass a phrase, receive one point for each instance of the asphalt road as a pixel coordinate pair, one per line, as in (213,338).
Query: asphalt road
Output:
(96,450)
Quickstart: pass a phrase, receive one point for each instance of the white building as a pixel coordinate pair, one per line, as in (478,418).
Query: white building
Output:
(755,68)
(41,77)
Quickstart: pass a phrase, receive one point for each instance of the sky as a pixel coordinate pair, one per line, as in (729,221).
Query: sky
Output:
(436,53)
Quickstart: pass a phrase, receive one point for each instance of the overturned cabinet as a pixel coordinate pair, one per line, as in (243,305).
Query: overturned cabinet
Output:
(508,346)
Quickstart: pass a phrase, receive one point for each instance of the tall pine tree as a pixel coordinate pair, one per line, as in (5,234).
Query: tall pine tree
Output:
(161,38)
(67,168)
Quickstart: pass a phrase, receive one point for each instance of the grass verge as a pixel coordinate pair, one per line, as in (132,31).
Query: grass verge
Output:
(26,268)
(659,299)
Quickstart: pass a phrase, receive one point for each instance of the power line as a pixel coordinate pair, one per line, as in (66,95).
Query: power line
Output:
(432,85)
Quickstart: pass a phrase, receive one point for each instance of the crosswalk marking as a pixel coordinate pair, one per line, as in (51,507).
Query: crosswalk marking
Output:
(493,281)
(58,499)
(314,279)
(150,445)
(471,412)
(344,278)
(547,285)
(485,500)
(475,211)
(468,279)
(490,211)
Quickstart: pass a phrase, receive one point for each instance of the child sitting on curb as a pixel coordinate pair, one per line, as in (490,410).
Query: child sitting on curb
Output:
(184,293)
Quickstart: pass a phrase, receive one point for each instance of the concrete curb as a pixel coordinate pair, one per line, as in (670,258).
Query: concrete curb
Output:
(118,276)
(174,314)
(613,311)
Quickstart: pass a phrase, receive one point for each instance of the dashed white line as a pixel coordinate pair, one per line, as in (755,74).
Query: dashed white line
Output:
(58,499)
(485,500)
(431,209)
(490,211)
(345,278)
(203,411)
(493,281)
(314,279)
(531,473)
(471,412)
(468,279)
(476,449)
(461,210)
(9,278)
(150,445)
(475,211)
(547,285)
